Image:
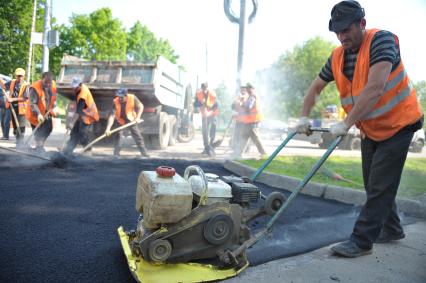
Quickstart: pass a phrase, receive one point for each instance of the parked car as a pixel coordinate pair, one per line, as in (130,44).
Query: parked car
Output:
(418,141)
(273,129)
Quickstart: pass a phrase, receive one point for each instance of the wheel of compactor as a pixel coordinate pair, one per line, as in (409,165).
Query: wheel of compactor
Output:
(273,202)
(159,250)
(218,229)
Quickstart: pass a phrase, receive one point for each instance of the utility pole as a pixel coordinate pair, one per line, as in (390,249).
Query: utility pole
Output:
(30,52)
(47,17)
(242,22)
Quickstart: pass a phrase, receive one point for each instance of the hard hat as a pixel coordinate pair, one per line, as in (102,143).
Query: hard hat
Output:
(19,72)
(122,92)
(76,81)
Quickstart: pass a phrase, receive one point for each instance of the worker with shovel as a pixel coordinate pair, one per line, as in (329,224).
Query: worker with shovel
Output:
(16,102)
(85,115)
(126,109)
(206,102)
(41,109)
(379,99)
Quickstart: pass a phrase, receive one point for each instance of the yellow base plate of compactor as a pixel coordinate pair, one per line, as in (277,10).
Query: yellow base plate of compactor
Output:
(146,272)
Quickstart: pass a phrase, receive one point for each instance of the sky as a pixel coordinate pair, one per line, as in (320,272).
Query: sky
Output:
(207,42)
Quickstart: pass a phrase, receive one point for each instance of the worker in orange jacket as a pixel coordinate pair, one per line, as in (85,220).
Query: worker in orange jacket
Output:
(41,108)
(377,96)
(4,113)
(126,108)
(208,107)
(85,115)
(18,95)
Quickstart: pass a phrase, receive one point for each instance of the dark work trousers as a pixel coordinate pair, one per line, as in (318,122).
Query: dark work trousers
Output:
(250,131)
(5,121)
(136,135)
(382,164)
(80,134)
(208,127)
(44,131)
(21,121)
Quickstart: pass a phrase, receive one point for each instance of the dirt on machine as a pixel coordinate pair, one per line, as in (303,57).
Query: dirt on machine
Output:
(164,89)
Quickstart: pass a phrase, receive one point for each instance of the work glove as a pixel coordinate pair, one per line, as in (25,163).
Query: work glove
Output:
(40,118)
(108,133)
(303,126)
(138,120)
(339,129)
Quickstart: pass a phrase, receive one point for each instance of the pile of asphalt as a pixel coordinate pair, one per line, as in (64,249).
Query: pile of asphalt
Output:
(60,225)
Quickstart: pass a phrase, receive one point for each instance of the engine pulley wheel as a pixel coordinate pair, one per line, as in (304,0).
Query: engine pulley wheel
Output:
(273,202)
(218,229)
(159,250)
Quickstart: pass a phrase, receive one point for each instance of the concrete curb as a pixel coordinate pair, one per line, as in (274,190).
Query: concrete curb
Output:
(341,194)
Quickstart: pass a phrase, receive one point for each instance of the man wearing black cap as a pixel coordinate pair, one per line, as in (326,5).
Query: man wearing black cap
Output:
(379,99)
(126,108)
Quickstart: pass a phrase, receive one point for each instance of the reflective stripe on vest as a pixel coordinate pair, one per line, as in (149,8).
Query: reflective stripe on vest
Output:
(130,109)
(32,117)
(21,104)
(211,99)
(396,108)
(90,111)
(254,116)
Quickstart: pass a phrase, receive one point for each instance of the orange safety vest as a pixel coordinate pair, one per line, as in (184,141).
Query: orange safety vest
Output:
(22,105)
(255,115)
(396,108)
(91,113)
(211,99)
(32,117)
(130,109)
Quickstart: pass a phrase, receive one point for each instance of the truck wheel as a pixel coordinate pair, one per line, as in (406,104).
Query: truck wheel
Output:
(161,141)
(355,143)
(173,130)
(418,146)
(188,136)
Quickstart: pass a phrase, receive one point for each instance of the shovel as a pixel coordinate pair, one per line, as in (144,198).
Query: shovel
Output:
(64,140)
(101,137)
(219,142)
(13,113)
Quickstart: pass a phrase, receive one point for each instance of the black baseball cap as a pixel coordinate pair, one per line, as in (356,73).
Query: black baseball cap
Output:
(344,14)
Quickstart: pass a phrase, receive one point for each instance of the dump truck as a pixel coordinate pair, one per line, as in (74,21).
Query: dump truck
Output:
(165,90)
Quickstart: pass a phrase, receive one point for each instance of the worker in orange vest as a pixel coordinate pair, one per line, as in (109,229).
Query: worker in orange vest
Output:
(18,95)
(41,108)
(251,115)
(126,108)
(377,96)
(237,107)
(207,105)
(4,113)
(85,115)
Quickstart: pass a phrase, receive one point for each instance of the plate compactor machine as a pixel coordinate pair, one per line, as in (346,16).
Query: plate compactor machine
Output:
(196,228)
(192,228)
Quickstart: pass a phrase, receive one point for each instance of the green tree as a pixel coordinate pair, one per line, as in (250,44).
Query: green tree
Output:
(143,46)
(291,75)
(224,99)
(15,32)
(421,95)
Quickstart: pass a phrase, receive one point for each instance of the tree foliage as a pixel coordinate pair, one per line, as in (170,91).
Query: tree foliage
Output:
(421,95)
(291,75)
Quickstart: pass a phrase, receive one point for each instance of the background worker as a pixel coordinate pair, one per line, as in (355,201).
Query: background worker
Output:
(42,105)
(4,113)
(237,107)
(251,117)
(85,115)
(379,99)
(126,108)
(18,96)
(206,102)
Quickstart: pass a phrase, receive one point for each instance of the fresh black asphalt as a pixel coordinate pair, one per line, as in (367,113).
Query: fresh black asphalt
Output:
(60,225)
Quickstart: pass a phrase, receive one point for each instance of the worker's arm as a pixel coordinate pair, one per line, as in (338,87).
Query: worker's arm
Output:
(371,93)
(111,118)
(313,92)
(138,108)
(34,101)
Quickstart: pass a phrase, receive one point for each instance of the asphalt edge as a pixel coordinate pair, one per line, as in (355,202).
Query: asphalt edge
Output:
(341,194)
